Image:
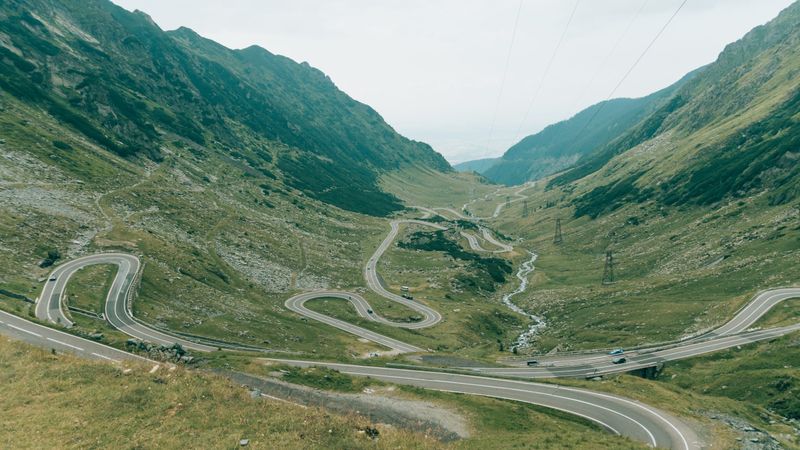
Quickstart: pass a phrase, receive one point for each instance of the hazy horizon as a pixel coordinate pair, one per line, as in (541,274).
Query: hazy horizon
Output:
(435,71)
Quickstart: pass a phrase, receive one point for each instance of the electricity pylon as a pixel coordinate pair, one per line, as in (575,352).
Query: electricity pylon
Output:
(608,272)
(558,238)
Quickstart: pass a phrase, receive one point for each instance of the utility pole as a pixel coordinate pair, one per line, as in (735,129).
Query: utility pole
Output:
(558,238)
(524,208)
(608,272)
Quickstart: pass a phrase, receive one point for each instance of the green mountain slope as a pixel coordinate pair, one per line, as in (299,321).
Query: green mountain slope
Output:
(730,132)
(226,171)
(130,87)
(476,165)
(560,145)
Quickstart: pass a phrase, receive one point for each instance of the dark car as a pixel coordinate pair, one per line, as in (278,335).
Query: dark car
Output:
(619,360)
(52,278)
(532,362)
(369,311)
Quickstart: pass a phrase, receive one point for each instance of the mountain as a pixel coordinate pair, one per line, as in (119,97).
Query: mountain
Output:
(237,176)
(560,145)
(126,85)
(477,165)
(732,131)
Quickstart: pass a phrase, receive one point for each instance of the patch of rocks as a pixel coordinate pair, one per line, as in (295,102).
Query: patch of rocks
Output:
(271,276)
(175,352)
(750,437)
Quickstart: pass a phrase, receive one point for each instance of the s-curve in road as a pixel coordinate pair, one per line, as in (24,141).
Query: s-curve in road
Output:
(617,414)
(430,315)
(297,304)
(49,307)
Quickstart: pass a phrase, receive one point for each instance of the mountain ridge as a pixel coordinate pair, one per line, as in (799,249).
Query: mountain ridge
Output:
(562,144)
(126,84)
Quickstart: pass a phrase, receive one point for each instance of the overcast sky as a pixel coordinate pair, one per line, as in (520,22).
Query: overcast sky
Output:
(434,69)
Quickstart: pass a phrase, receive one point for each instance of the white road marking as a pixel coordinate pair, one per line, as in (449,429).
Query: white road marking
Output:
(105,357)
(64,344)
(24,330)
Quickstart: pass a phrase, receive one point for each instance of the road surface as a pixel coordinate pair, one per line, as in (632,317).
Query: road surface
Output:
(617,414)
(614,413)
(46,337)
(49,307)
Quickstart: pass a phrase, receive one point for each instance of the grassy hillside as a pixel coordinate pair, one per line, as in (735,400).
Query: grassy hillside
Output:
(477,165)
(699,205)
(730,132)
(700,213)
(61,401)
(238,177)
(129,87)
(421,186)
(560,145)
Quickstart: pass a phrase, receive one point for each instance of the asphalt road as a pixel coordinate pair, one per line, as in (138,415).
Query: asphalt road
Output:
(297,304)
(738,331)
(46,337)
(617,414)
(614,413)
(49,307)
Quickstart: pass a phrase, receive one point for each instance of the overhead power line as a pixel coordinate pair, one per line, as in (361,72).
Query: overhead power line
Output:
(608,56)
(547,70)
(503,81)
(628,72)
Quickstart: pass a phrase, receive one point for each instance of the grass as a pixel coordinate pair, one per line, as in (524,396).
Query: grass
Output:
(770,368)
(324,378)
(62,401)
(419,186)
(474,322)
(88,287)
(677,272)
(785,313)
(495,423)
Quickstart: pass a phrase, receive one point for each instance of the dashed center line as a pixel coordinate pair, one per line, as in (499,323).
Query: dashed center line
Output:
(65,344)
(25,331)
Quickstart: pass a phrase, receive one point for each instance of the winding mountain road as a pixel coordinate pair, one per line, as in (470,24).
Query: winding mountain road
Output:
(617,414)
(49,307)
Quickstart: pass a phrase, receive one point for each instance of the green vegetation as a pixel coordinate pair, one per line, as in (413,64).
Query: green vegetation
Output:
(558,146)
(250,105)
(66,402)
(421,186)
(324,378)
(88,288)
(784,314)
(486,271)
(677,272)
(763,374)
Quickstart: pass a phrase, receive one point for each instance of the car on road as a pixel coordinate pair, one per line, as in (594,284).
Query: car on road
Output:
(369,311)
(616,351)
(532,362)
(52,278)
(618,360)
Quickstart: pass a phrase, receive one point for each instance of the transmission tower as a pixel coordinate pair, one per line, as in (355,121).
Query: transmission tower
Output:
(608,272)
(558,238)
(524,208)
